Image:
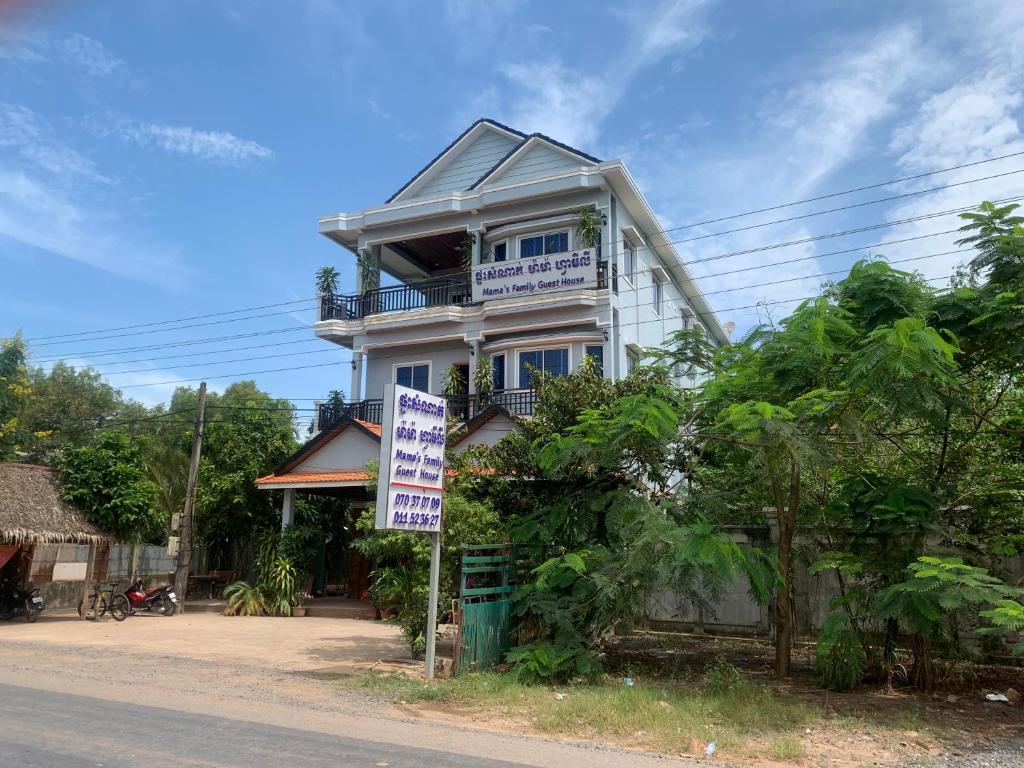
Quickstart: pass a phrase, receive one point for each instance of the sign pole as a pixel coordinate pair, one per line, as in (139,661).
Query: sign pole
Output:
(435,577)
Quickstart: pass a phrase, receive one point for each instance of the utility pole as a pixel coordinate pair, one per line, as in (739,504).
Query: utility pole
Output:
(185,535)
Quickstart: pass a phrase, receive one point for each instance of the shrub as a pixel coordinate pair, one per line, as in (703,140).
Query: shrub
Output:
(548,662)
(840,658)
(245,599)
(723,679)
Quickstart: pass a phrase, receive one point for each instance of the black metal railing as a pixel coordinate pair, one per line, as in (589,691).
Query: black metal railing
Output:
(437,292)
(519,402)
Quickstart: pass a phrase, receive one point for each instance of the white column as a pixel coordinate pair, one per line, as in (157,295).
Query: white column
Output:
(288,508)
(474,359)
(356,391)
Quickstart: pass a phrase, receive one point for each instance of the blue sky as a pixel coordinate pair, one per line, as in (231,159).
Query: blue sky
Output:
(166,160)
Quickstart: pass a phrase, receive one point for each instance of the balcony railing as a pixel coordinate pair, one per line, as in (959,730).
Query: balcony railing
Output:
(519,402)
(437,292)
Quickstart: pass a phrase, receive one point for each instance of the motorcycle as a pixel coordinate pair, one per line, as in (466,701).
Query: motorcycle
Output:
(15,601)
(160,600)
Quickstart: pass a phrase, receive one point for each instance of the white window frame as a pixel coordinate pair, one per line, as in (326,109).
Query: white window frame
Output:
(568,360)
(428,363)
(495,244)
(633,357)
(628,272)
(570,233)
(658,299)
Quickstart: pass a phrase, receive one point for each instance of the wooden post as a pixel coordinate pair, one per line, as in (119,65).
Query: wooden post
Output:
(185,541)
(87,584)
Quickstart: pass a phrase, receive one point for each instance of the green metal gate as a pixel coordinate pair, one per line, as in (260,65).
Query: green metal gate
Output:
(484,612)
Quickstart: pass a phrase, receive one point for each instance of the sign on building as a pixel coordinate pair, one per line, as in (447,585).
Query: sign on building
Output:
(411,477)
(541,274)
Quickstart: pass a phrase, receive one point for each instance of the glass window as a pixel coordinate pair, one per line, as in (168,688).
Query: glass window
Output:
(500,251)
(541,245)
(498,371)
(551,361)
(659,296)
(414,376)
(628,258)
(596,351)
(557,242)
(632,361)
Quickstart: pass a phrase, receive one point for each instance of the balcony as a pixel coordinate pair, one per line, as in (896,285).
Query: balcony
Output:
(435,292)
(519,402)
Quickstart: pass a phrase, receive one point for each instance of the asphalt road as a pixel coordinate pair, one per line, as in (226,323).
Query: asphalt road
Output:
(40,729)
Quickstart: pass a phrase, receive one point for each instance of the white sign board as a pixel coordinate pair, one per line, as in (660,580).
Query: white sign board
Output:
(541,274)
(69,572)
(411,475)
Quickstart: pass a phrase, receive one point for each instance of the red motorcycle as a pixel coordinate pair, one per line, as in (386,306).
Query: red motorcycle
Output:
(160,600)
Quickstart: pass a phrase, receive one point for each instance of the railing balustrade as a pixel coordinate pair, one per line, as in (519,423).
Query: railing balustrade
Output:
(438,292)
(519,402)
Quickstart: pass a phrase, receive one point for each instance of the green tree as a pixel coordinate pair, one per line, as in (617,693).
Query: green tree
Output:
(327,281)
(107,480)
(15,389)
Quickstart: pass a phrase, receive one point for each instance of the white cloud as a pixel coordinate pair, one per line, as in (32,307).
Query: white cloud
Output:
(478,26)
(32,137)
(213,146)
(88,55)
(571,104)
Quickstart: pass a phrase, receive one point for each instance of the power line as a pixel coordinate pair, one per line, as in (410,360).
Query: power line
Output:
(69,337)
(176,320)
(169,330)
(442,349)
(223,362)
(191,354)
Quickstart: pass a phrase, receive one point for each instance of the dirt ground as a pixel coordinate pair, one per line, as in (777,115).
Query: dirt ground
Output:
(297,645)
(246,663)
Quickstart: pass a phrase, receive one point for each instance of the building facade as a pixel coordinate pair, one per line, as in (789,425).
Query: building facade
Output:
(509,252)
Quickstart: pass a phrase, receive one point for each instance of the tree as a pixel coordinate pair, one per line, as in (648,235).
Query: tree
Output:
(604,516)
(107,480)
(15,389)
(248,434)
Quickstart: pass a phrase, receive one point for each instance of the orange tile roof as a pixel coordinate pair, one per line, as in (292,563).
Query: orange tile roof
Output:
(375,428)
(336,476)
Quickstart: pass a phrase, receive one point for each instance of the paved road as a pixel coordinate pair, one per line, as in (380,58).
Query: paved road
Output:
(39,729)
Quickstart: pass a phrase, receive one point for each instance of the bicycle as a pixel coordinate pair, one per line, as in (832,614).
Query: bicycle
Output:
(117,605)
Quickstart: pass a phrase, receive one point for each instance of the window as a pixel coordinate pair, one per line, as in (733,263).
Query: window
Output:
(498,372)
(552,361)
(596,351)
(500,251)
(659,296)
(542,245)
(632,360)
(416,376)
(628,258)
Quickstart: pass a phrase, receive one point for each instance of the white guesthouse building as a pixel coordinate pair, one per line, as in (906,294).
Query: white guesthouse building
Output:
(531,298)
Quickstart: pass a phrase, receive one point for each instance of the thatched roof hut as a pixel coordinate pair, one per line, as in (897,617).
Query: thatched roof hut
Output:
(31,510)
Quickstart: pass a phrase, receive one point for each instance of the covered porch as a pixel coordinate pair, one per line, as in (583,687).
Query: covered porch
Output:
(333,464)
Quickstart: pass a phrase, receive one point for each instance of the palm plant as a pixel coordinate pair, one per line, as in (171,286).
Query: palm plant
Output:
(483,379)
(466,253)
(327,281)
(369,271)
(245,599)
(588,228)
(453,382)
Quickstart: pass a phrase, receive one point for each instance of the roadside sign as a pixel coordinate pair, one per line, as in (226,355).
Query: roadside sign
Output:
(410,481)
(411,477)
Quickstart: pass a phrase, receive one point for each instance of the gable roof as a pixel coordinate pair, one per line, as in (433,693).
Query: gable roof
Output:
(523,139)
(478,421)
(320,440)
(31,509)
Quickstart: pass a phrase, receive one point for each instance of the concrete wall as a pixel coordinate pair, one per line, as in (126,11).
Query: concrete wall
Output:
(381,362)
(352,449)
(154,562)
(736,613)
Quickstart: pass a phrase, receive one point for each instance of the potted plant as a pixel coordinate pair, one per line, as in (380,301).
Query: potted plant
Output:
(299,609)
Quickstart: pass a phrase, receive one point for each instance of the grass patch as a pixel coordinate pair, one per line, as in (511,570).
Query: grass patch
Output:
(787,748)
(672,718)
